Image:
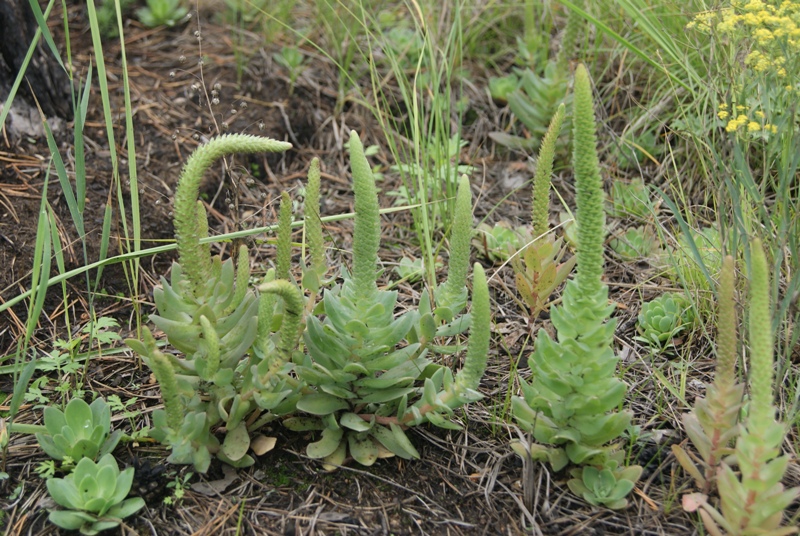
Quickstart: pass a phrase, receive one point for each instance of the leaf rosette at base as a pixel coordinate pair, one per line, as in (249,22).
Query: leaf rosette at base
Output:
(81,430)
(664,318)
(94,496)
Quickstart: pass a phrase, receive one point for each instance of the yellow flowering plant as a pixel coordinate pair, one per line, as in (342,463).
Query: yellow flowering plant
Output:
(763,40)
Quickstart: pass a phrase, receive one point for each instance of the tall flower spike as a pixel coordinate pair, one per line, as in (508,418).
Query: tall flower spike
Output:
(367,232)
(479,333)
(188,228)
(726,331)
(313,224)
(713,424)
(762,410)
(283,255)
(165,374)
(540,213)
(454,290)
(588,183)
(293,314)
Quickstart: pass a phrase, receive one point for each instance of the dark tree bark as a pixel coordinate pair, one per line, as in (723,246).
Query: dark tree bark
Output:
(44,77)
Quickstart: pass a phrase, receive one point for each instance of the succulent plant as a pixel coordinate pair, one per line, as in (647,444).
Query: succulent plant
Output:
(635,244)
(571,403)
(497,243)
(80,431)
(162,13)
(753,500)
(713,424)
(94,496)
(500,87)
(664,318)
(538,268)
(631,200)
(535,103)
(231,371)
(607,486)
(412,270)
(249,360)
(361,390)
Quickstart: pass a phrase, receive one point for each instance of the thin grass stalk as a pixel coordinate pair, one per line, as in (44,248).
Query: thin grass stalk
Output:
(148,252)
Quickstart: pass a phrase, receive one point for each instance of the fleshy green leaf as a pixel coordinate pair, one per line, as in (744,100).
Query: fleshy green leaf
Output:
(327,445)
(321,404)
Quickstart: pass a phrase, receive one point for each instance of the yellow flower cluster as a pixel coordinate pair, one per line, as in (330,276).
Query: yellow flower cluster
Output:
(743,120)
(772,26)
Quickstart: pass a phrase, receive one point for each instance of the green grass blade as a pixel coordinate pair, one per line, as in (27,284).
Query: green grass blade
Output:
(131,145)
(45,31)
(63,178)
(40,278)
(625,43)
(22,69)
(21,380)
(687,233)
(645,16)
(104,240)
(228,237)
(80,155)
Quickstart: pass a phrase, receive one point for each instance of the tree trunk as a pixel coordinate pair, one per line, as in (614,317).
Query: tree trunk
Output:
(44,78)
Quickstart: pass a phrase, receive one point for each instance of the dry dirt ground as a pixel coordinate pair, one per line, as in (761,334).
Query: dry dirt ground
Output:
(467,482)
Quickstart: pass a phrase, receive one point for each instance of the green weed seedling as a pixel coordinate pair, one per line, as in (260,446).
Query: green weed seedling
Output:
(80,431)
(752,500)
(361,375)
(571,403)
(94,496)
(664,318)
(162,13)
(501,87)
(292,59)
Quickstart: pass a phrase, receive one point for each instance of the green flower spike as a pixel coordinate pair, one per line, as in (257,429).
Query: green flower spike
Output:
(538,269)
(283,255)
(453,292)
(588,188)
(570,404)
(190,217)
(367,232)
(540,212)
(712,425)
(313,224)
(479,334)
